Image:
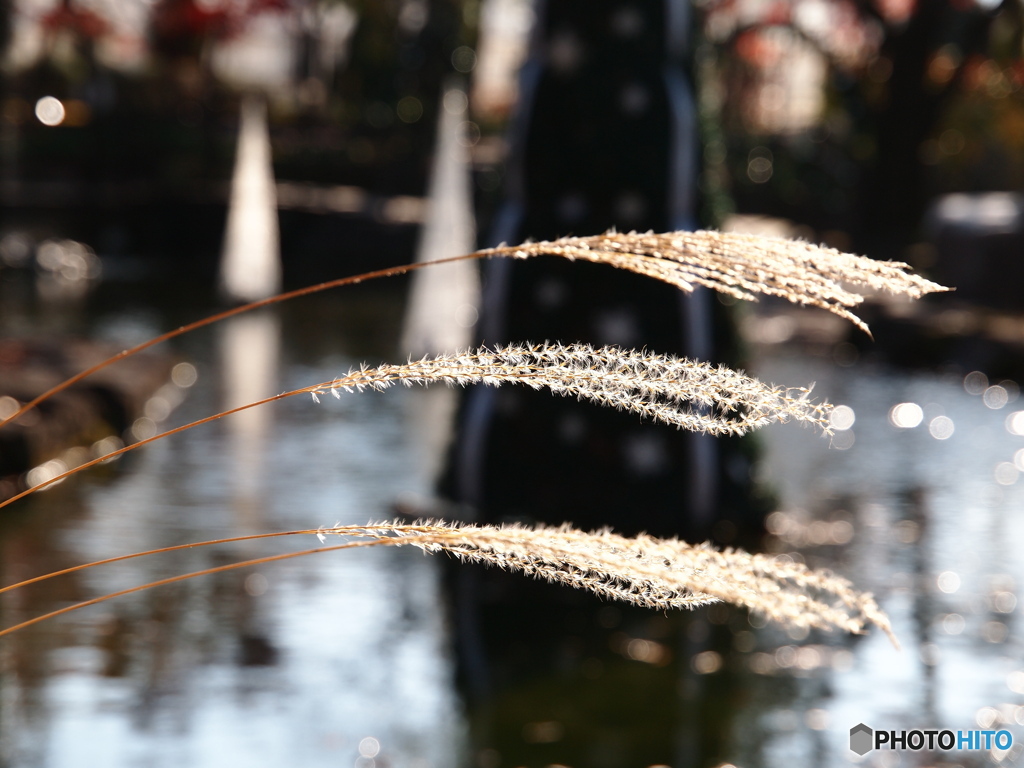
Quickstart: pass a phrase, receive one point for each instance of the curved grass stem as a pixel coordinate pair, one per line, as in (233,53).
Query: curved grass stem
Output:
(281,297)
(643,570)
(183,577)
(154,438)
(742,266)
(656,387)
(158,551)
(684,393)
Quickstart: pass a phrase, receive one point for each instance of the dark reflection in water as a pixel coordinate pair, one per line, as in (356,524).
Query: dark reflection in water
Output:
(915,498)
(344,659)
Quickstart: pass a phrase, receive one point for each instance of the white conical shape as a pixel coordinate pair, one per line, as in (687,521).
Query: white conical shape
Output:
(442,306)
(443,300)
(250,267)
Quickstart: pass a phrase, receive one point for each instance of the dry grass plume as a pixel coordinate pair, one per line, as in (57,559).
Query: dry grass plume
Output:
(650,572)
(740,265)
(691,395)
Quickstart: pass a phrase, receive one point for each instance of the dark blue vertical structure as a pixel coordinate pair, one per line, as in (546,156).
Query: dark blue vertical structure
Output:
(606,137)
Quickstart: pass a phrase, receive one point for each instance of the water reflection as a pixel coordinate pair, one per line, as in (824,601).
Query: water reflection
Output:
(250,354)
(306,662)
(934,535)
(442,306)
(343,659)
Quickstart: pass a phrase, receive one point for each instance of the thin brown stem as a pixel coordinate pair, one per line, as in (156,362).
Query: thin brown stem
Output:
(656,387)
(742,266)
(354,530)
(184,576)
(154,438)
(646,571)
(389,272)
(159,551)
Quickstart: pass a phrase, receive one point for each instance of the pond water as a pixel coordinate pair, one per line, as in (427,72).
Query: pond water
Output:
(923,486)
(346,658)
(312,661)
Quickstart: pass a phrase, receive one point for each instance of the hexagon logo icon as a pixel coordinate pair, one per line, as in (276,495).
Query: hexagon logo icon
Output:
(860,739)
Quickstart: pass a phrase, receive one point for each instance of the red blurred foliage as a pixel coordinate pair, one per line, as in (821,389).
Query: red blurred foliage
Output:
(81,21)
(183,20)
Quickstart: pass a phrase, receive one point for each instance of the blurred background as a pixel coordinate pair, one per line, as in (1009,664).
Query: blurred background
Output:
(160,160)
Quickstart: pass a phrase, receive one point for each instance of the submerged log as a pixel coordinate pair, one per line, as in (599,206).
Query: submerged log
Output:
(114,406)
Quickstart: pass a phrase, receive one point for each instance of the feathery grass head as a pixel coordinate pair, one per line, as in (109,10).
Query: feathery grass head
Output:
(740,265)
(650,572)
(690,395)
(643,570)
